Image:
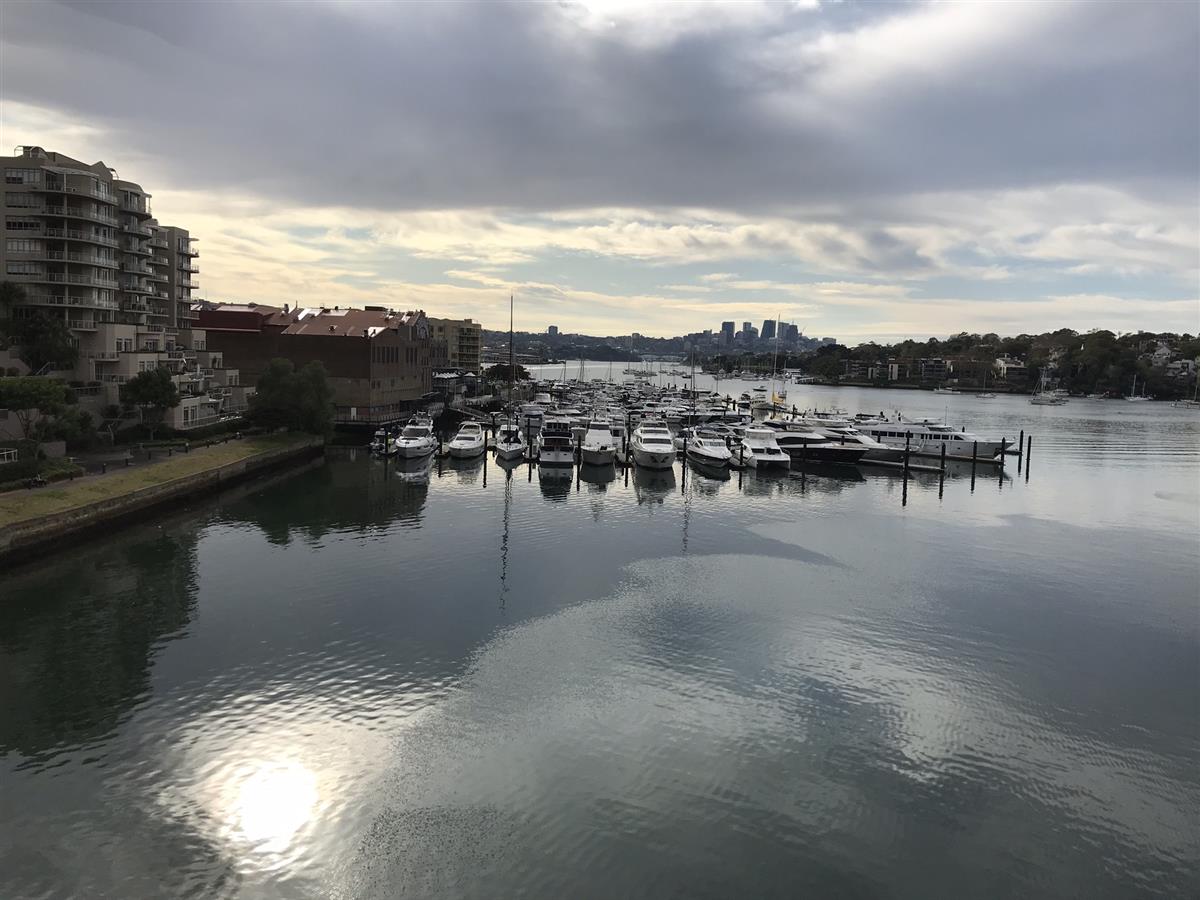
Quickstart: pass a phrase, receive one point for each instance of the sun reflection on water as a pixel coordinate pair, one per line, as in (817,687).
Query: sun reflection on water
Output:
(271,802)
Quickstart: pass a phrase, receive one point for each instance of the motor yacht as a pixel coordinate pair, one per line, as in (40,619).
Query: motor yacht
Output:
(928,436)
(554,443)
(760,450)
(510,442)
(651,445)
(469,442)
(708,451)
(599,448)
(800,442)
(415,440)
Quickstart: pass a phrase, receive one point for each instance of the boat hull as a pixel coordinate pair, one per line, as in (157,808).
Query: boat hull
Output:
(599,456)
(556,458)
(699,457)
(414,451)
(510,451)
(653,459)
(465,451)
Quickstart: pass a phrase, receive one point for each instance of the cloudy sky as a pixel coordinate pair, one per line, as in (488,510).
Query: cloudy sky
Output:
(870,170)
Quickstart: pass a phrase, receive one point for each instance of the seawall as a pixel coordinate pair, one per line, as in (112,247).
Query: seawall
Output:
(35,536)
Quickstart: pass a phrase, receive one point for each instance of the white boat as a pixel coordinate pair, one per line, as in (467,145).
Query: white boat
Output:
(599,448)
(416,440)
(944,390)
(801,442)
(651,445)
(986,395)
(469,442)
(554,443)
(709,451)
(928,437)
(510,441)
(532,415)
(760,449)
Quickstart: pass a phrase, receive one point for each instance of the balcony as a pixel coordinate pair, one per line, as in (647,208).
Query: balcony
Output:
(137,207)
(186,249)
(136,266)
(135,288)
(104,356)
(73,212)
(57,187)
(160,243)
(48,299)
(134,228)
(188,267)
(67,278)
(73,234)
(82,324)
(159,260)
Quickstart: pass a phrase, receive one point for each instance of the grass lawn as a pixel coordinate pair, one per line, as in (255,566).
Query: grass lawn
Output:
(19,505)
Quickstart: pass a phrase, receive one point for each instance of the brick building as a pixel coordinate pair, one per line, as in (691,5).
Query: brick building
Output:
(377,360)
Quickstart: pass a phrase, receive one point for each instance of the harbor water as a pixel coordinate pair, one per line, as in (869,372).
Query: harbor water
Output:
(364,680)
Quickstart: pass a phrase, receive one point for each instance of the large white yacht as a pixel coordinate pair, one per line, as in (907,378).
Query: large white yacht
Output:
(651,445)
(834,430)
(708,450)
(762,451)
(929,436)
(799,441)
(470,441)
(599,447)
(554,443)
(416,440)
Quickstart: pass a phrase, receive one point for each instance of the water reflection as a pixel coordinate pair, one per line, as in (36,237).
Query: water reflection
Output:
(76,639)
(651,486)
(555,481)
(598,476)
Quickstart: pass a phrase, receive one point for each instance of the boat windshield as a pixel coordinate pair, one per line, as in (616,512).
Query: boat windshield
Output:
(415,431)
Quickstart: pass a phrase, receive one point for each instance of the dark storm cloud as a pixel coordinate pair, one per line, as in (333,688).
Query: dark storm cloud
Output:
(452,106)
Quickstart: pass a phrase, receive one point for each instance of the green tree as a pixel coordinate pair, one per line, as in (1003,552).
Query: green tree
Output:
(300,400)
(500,372)
(153,392)
(44,341)
(31,399)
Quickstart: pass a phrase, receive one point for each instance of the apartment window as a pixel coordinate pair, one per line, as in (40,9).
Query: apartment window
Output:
(23,225)
(19,245)
(23,268)
(22,176)
(23,201)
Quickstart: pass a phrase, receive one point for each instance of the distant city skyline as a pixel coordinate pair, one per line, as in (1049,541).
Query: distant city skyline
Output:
(731,162)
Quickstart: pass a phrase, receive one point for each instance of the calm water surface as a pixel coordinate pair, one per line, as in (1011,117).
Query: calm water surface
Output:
(363,682)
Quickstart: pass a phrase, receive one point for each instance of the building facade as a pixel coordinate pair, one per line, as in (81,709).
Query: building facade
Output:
(87,249)
(377,360)
(462,339)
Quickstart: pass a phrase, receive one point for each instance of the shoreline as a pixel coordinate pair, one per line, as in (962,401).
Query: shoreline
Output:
(75,510)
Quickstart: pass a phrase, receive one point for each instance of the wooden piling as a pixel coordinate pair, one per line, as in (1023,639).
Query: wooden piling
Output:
(907,445)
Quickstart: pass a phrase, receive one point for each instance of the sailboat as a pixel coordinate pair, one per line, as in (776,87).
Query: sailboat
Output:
(986,394)
(1134,395)
(1045,396)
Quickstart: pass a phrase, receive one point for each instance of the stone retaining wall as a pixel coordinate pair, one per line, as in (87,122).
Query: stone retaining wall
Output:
(30,538)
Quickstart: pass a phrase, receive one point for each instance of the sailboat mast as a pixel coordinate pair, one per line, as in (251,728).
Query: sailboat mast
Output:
(512,360)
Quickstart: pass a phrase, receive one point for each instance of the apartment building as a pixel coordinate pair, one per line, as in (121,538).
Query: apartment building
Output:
(377,360)
(87,249)
(462,339)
